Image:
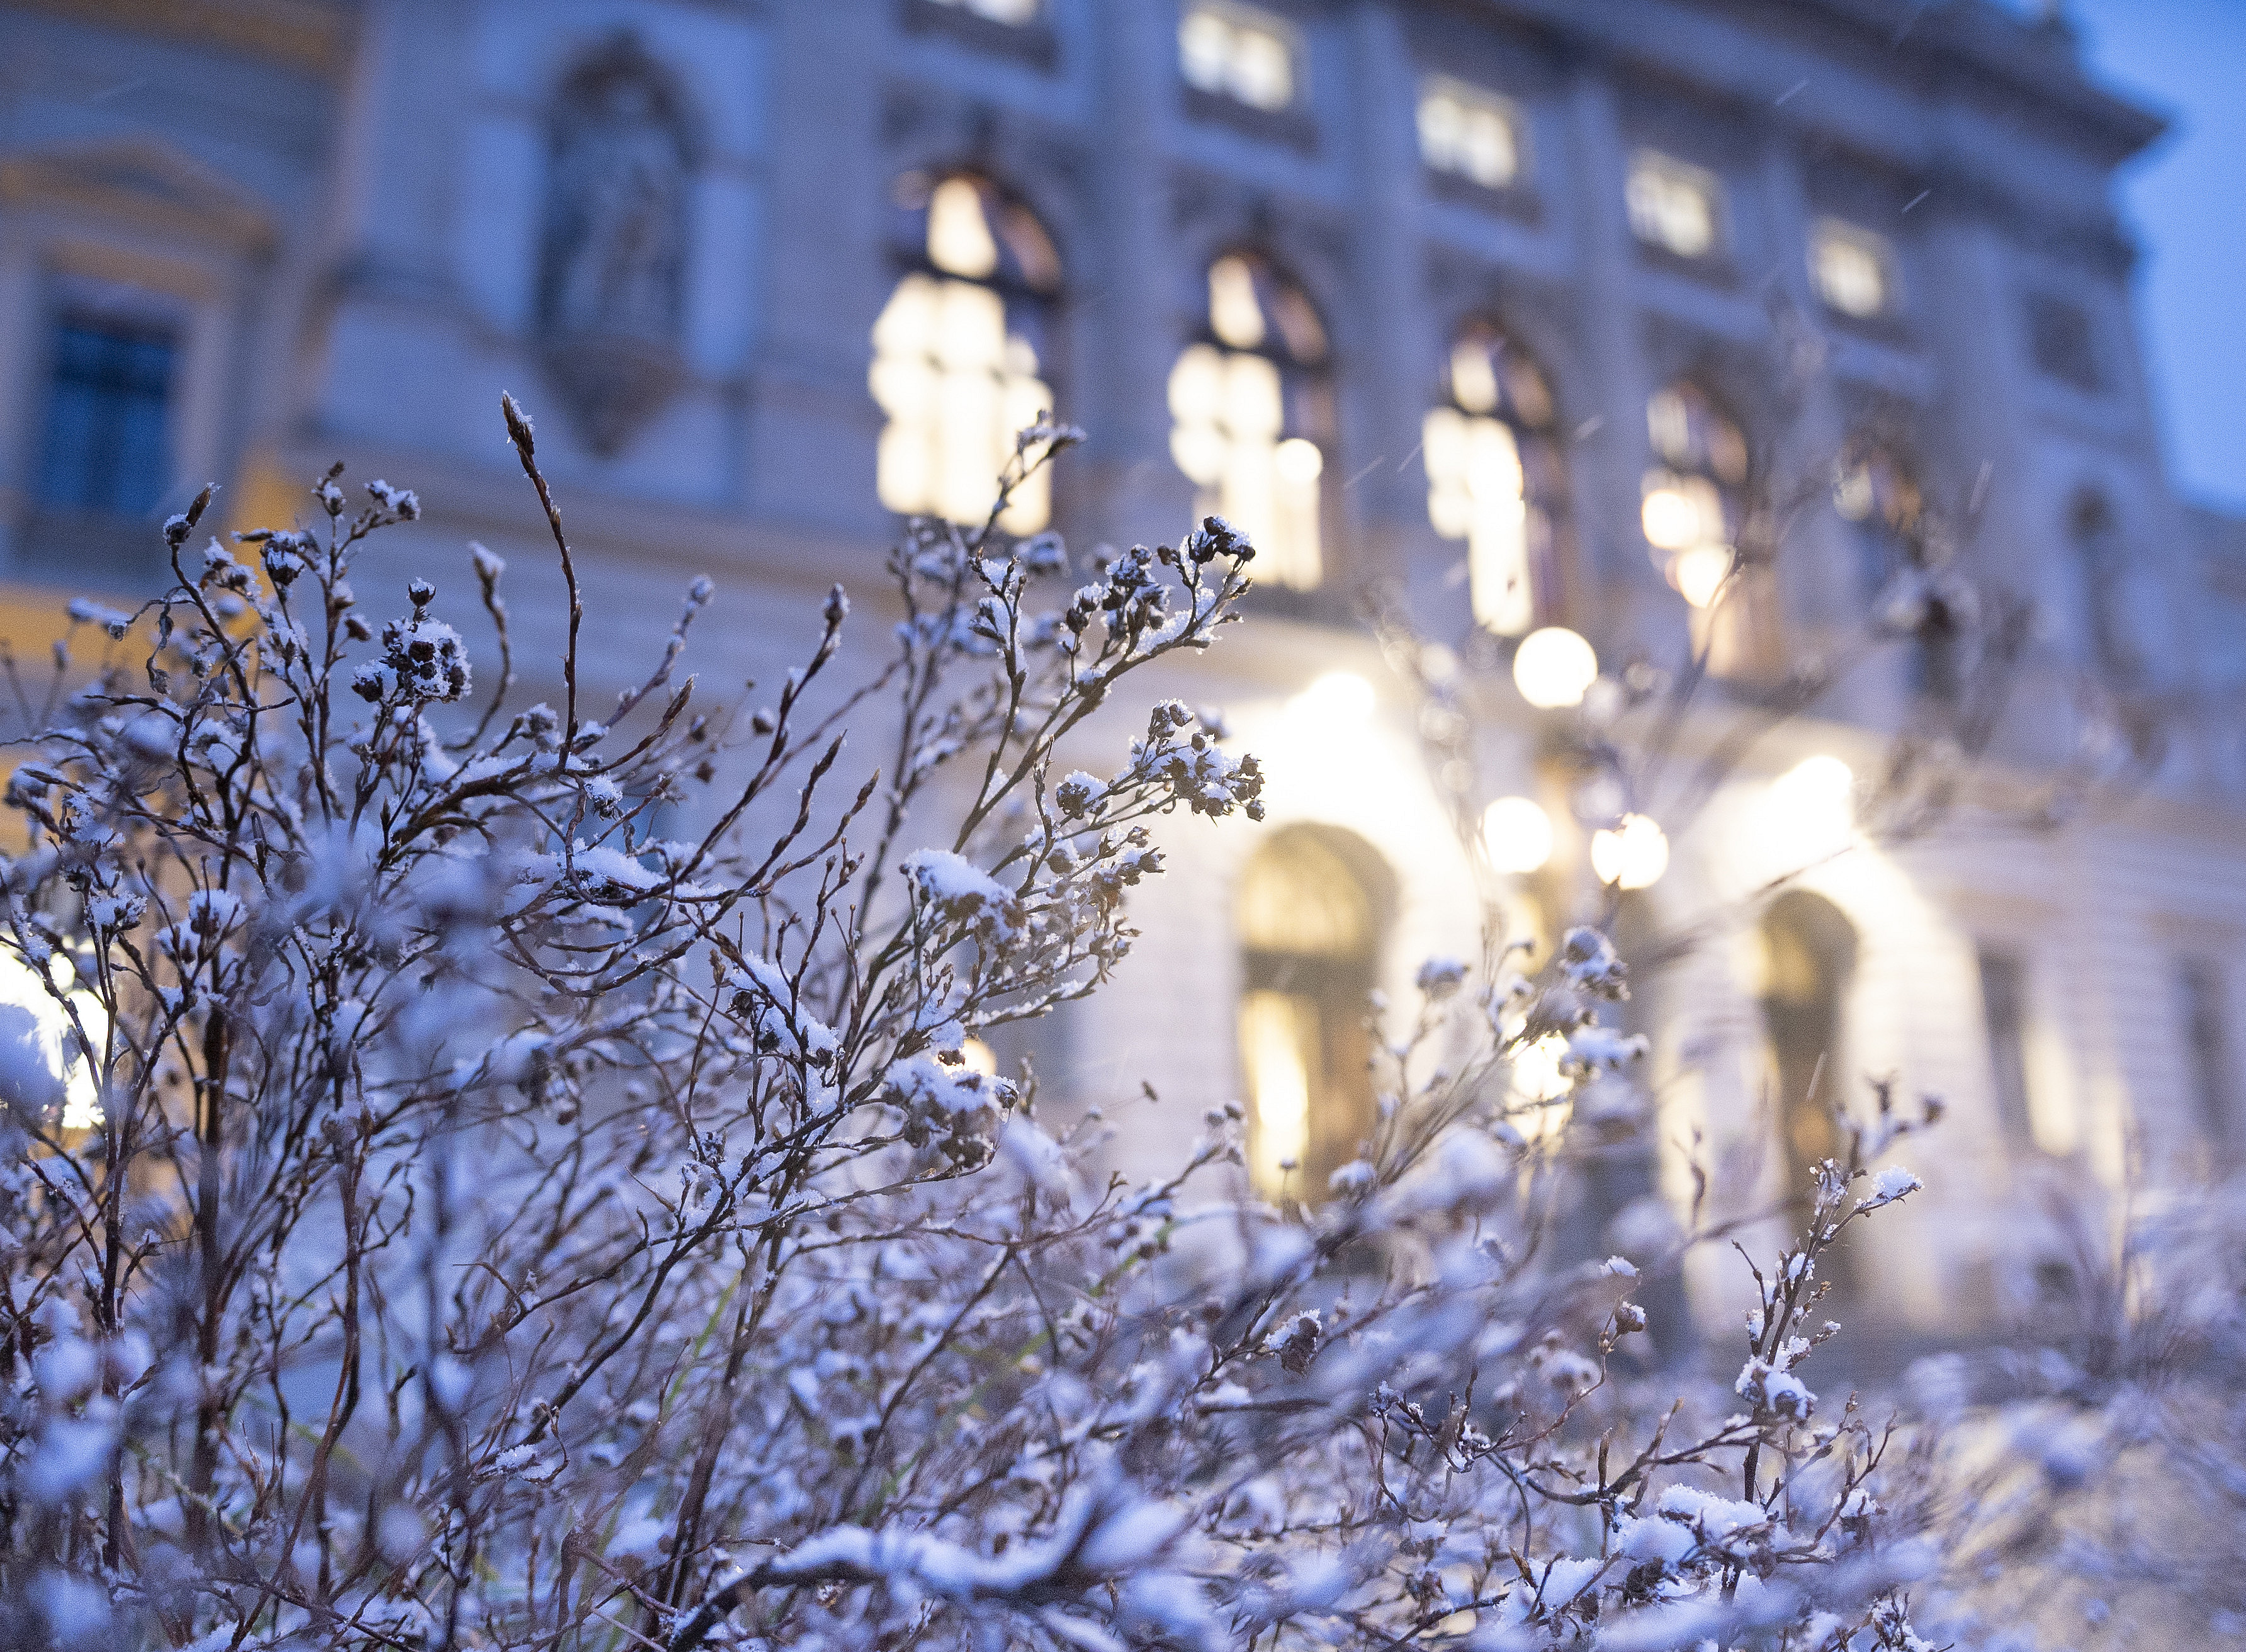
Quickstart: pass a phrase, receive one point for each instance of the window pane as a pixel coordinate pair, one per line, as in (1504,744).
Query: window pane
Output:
(957,382)
(1850,267)
(106,446)
(1671,205)
(1468,133)
(1230,52)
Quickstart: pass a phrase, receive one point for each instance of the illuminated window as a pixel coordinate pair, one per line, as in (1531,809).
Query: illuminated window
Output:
(107,448)
(1312,905)
(1468,133)
(1853,269)
(1251,409)
(1495,479)
(1674,206)
(1015,13)
(957,365)
(1691,508)
(1234,51)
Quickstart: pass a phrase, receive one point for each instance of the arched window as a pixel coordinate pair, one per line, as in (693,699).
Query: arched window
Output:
(2102,566)
(1878,492)
(1808,955)
(1692,508)
(960,353)
(1495,480)
(1253,415)
(1312,908)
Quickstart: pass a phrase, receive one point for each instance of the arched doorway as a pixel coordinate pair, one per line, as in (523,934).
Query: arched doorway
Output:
(1808,957)
(1313,909)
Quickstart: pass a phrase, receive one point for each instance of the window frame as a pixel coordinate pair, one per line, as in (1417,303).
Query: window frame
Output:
(2041,304)
(1715,261)
(1035,42)
(134,226)
(1291,123)
(1032,308)
(1883,252)
(1537,446)
(1517,196)
(1310,407)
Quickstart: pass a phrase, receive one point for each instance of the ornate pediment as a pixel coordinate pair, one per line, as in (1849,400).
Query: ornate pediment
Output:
(148,183)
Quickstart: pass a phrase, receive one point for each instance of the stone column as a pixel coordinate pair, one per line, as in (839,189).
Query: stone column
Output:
(1607,458)
(1389,342)
(1129,284)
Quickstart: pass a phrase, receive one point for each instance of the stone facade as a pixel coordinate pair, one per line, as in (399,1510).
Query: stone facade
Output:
(356,224)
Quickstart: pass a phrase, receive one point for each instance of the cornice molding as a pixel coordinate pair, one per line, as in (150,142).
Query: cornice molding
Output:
(313,36)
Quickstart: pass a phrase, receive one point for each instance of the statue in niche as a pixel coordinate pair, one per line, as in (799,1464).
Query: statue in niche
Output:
(613,263)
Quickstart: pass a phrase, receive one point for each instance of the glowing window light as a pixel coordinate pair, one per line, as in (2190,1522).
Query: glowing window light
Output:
(1537,1074)
(1235,315)
(1671,205)
(1232,51)
(1275,1029)
(1851,268)
(956,386)
(1552,667)
(1229,415)
(1468,133)
(1699,573)
(1477,492)
(959,238)
(1517,835)
(1631,855)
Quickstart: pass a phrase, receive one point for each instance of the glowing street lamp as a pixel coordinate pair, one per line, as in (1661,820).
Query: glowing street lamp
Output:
(1552,667)
(1632,854)
(1517,833)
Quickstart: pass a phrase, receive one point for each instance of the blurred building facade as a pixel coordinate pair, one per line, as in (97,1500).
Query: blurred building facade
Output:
(1508,303)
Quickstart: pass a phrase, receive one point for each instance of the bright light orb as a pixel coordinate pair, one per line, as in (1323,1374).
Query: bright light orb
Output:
(1298,460)
(1517,833)
(1552,667)
(1536,1071)
(1700,573)
(1812,804)
(1633,855)
(1339,697)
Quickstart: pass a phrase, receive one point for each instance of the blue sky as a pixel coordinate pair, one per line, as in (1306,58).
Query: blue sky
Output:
(2186,202)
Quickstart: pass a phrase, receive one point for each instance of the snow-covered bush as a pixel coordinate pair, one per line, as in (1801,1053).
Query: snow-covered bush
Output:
(441,1209)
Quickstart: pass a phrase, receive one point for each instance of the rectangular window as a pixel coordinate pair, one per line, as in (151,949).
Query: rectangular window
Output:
(2004,1015)
(1234,51)
(1853,268)
(107,448)
(2206,1045)
(1469,133)
(1674,206)
(2061,340)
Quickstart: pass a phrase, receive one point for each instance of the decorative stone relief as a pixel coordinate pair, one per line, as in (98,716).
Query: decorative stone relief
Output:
(611,287)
